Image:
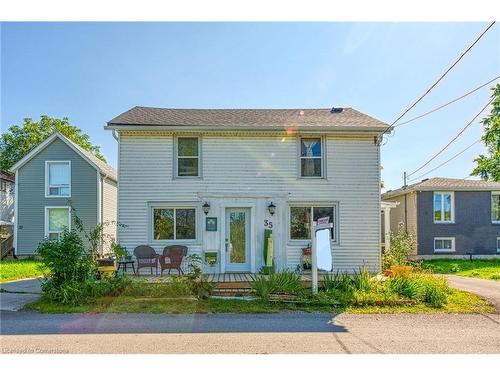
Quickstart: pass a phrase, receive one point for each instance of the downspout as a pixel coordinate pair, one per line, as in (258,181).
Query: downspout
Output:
(406,214)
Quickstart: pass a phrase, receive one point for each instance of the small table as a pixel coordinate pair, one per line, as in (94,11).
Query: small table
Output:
(124,263)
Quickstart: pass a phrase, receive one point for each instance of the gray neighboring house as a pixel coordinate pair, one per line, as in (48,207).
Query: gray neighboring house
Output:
(55,175)
(449,217)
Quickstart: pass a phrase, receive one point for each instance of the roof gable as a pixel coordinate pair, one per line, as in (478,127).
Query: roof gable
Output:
(98,164)
(441,183)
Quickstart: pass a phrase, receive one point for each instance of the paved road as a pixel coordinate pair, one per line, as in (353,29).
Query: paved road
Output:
(16,294)
(29,332)
(488,289)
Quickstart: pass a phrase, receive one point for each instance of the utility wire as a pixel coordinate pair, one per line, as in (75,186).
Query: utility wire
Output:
(446,162)
(439,79)
(446,104)
(452,140)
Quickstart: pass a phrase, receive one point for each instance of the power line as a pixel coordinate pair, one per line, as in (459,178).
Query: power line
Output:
(446,104)
(439,79)
(446,162)
(452,140)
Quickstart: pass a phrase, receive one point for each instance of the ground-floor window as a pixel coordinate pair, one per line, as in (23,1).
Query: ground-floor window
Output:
(444,244)
(498,244)
(174,223)
(56,219)
(300,220)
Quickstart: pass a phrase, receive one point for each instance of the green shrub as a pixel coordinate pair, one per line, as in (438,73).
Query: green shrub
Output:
(402,245)
(66,259)
(495,276)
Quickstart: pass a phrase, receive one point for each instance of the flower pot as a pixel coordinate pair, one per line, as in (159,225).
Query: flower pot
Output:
(107,272)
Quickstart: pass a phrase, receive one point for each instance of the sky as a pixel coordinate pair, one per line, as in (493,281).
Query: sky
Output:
(91,72)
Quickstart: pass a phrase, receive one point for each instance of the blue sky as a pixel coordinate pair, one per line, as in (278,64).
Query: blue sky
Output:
(91,72)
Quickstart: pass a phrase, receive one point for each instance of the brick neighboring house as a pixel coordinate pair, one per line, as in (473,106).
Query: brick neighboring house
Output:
(449,217)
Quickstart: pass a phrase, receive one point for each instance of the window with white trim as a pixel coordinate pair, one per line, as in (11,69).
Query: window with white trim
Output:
(311,157)
(173,223)
(300,220)
(58,178)
(188,157)
(444,244)
(444,207)
(56,220)
(498,244)
(495,207)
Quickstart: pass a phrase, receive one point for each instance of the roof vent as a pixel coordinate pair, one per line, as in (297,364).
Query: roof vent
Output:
(425,179)
(336,110)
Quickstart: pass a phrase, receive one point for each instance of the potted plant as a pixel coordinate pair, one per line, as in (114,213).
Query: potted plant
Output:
(121,252)
(211,261)
(306,257)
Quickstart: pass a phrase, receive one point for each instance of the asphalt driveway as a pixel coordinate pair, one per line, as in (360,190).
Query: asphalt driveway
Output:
(16,294)
(488,289)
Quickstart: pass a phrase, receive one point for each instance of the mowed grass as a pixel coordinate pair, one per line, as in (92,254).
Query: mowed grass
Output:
(15,269)
(458,302)
(481,268)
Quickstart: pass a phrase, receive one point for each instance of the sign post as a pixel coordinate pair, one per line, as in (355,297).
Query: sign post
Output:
(321,224)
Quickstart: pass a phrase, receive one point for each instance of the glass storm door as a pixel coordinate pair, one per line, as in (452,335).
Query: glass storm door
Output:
(237,239)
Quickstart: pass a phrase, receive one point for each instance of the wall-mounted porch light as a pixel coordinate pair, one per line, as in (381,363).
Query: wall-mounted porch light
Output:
(271,208)
(206,208)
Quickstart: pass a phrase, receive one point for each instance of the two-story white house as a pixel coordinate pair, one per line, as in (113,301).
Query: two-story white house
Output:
(215,179)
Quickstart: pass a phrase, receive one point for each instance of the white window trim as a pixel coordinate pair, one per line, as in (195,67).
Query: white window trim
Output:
(336,229)
(47,186)
(47,208)
(452,195)
(174,206)
(322,157)
(493,193)
(452,250)
(176,157)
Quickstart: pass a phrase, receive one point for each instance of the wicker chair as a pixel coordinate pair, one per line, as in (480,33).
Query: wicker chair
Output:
(146,258)
(175,253)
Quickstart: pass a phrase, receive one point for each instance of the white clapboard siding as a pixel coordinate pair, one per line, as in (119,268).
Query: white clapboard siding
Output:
(257,166)
(109,212)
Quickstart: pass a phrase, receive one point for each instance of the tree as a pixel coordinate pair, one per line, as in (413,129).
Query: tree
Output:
(18,141)
(488,167)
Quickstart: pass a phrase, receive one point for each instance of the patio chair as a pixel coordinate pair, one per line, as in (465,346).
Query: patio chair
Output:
(175,254)
(146,258)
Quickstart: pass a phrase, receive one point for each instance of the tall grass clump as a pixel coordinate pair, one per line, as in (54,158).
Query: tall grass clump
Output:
(284,282)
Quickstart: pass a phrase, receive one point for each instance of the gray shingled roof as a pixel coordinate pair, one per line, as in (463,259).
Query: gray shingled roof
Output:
(103,166)
(437,183)
(234,118)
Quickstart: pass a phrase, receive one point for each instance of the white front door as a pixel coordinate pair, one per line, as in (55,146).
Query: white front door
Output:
(237,235)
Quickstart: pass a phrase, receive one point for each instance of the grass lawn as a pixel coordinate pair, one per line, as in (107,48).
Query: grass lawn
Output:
(480,268)
(15,269)
(458,302)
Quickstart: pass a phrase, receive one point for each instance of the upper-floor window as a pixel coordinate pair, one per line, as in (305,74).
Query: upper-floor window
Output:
(58,179)
(311,157)
(495,207)
(3,185)
(300,220)
(188,157)
(443,207)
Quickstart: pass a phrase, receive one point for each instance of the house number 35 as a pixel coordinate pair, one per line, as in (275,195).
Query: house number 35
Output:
(268,224)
